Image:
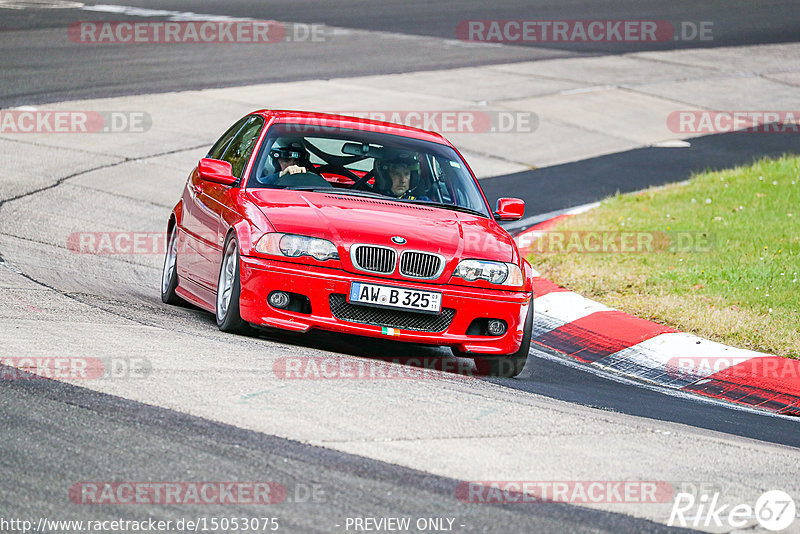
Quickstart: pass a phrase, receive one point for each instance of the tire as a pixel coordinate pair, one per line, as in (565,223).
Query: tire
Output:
(228,290)
(169,274)
(510,365)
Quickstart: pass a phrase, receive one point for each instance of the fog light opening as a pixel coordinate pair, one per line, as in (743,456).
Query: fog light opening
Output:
(496,327)
(279,299)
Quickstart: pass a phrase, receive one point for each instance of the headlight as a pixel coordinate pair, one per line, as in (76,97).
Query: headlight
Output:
(293,246)
(494,272)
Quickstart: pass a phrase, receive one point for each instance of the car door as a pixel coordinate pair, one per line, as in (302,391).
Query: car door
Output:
(219,198)
(197,242)
(213,200)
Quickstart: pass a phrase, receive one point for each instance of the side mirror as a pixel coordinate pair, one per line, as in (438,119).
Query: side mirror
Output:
(509,209)
(216,171)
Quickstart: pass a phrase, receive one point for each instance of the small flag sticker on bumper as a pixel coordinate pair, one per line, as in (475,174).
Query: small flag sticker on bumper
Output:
(389,331)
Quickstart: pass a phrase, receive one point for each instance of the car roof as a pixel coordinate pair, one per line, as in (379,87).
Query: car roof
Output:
(355,123)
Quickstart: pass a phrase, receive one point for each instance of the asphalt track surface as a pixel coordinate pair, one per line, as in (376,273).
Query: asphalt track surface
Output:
(63,433)
(40,64)
(72,428)
(581,182)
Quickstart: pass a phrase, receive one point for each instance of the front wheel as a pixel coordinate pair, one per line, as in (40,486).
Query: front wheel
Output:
(228,291)
(510,365)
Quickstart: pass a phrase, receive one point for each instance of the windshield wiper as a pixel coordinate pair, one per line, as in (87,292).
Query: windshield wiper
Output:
(310,188)
(453,207)
(338,191)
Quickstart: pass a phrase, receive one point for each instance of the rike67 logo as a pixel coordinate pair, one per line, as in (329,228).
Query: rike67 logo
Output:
(775,510)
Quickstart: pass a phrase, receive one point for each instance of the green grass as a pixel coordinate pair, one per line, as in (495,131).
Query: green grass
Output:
(744,291)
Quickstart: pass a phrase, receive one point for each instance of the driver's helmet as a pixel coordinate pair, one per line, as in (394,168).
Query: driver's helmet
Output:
(399,160)
(288,147)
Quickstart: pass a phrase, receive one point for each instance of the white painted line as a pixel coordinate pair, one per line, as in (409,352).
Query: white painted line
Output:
(582,208)
(672,143)
(566,306)
(39,4)
(536,219)
(681,344)
(676,359)
(174,16)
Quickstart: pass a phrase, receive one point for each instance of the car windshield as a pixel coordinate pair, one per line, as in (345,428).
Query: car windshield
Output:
(365,163)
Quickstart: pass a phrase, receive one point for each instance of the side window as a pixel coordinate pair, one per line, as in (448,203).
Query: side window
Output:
(222,143)
(241,147)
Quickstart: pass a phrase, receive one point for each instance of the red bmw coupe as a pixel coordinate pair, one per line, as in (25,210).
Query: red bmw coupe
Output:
(298,220)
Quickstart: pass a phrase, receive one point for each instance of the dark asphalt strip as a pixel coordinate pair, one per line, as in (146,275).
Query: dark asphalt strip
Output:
(39,64)
(725,22)
(577,385)
(56,434)
(572,184)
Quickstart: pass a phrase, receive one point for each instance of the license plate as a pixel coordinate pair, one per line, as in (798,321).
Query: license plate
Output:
(395,297)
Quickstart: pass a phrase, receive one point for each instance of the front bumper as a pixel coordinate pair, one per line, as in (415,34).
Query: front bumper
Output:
(259,277)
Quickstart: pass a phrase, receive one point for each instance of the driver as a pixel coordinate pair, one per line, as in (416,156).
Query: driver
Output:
(289,154)
(398,177)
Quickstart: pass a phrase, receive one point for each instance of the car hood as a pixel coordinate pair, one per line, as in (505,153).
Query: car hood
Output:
(348,219)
